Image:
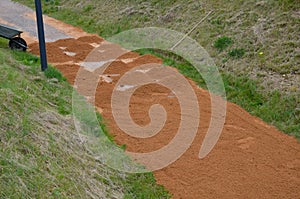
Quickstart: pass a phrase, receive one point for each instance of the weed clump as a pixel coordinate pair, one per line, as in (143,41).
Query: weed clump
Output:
(237,53)
(222,43)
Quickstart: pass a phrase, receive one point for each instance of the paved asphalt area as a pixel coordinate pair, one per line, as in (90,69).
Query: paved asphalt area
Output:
(14,15)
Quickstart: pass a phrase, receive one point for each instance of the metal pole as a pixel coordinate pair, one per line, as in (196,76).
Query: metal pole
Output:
(41,34)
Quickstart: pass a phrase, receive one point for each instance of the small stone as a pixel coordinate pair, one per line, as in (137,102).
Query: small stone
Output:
(54,80)
(70,54)
(260,3)
(106,78)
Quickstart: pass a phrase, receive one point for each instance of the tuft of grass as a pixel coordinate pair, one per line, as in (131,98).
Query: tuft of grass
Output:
(223,42)
(237,53)
(142,188)
(53,73)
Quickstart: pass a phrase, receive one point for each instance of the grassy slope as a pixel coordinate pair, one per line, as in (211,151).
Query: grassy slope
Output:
(270,27)
(267,26)
(41,155)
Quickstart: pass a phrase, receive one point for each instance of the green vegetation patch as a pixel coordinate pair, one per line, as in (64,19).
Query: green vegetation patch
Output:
(237,53)
(223,42)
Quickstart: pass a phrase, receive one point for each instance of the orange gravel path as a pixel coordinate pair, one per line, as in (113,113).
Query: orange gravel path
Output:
(251,159)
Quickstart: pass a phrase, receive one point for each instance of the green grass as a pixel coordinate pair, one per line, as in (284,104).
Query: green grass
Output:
(222,43)
(53,73)
(139,188)
(237,53)
(252,25)
(41,154)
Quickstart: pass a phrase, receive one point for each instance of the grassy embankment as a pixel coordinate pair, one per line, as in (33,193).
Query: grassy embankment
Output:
(41,153)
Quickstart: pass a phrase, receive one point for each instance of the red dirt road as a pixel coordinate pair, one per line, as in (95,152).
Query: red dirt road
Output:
(250,160)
